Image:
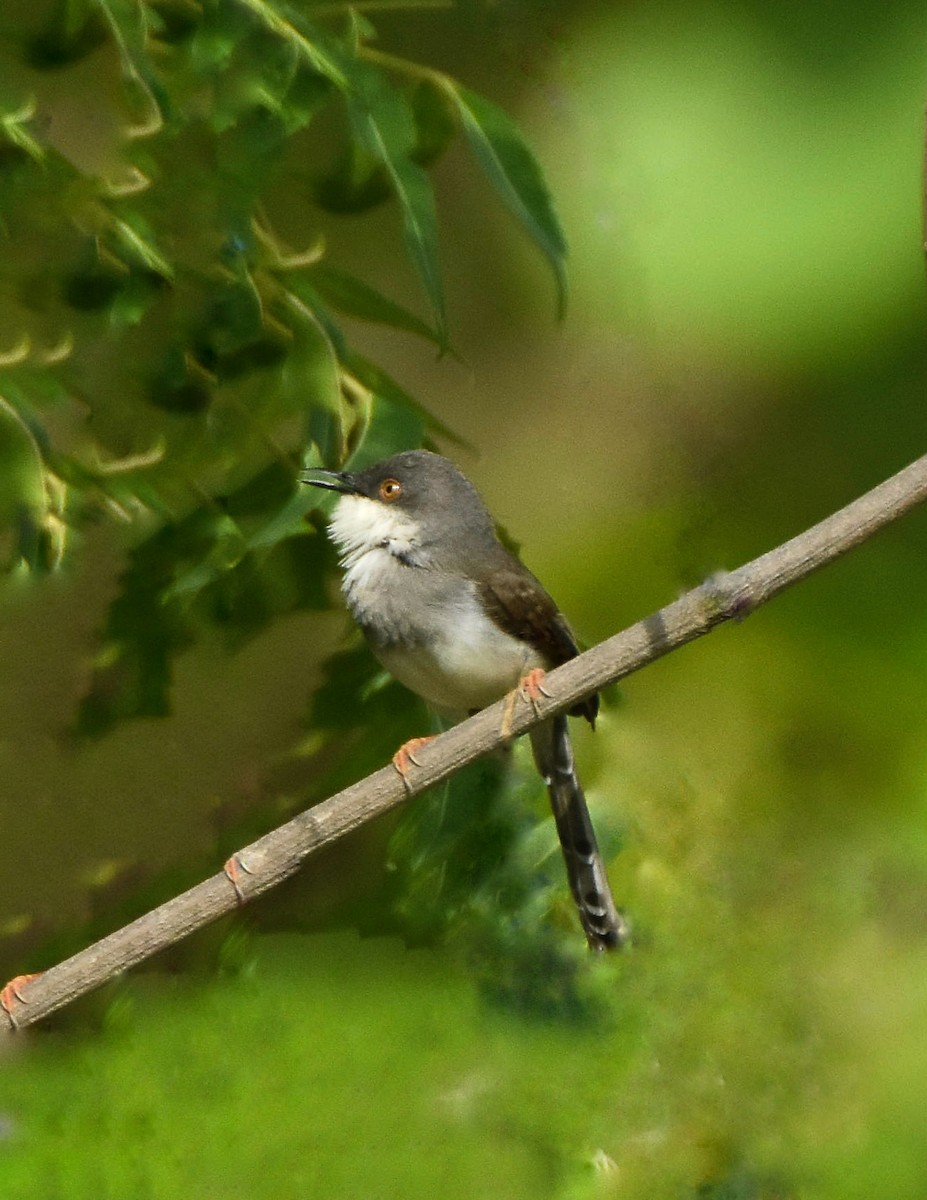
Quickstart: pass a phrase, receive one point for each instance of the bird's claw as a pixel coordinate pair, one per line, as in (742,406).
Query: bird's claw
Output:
(232,870)
(11,995)
(405,756)
(532,688)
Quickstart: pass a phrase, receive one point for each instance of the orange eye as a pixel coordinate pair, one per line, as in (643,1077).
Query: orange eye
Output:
(390,490)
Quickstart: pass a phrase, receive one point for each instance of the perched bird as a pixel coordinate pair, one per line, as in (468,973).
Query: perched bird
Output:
(454,616)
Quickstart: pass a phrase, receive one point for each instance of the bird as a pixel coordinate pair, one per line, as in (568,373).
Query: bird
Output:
(453,615)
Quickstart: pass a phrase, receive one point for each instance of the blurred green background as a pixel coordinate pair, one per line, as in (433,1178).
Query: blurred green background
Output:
(743,352)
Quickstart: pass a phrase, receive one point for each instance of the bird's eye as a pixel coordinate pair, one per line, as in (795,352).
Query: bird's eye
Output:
(390,490)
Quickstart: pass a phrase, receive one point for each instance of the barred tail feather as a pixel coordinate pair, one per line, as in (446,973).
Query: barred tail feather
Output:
(604,926)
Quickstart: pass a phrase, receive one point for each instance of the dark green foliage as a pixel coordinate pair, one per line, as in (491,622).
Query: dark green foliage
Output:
(247,560)
(173,355)
(73,30)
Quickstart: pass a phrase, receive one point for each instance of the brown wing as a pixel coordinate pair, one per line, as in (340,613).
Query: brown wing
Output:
(519,604)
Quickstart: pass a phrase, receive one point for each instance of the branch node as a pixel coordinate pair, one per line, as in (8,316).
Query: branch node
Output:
(724,598)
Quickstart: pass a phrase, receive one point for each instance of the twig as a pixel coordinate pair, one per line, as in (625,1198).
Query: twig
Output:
(277,855)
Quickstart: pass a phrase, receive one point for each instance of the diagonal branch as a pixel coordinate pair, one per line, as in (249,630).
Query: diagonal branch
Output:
(279,854)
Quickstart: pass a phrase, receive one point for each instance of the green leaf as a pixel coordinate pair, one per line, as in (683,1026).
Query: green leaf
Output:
(306,41)
(352,296)
(383,122)
(15,138)
(73,30)
(138,246)
(434,119)
(142,633)
(177,384)
(23,501)
(226,552)
(514,172)
(174,21)
(312,368)
(420,225)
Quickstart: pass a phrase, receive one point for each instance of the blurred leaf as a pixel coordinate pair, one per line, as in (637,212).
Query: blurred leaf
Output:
(277,578)
(451,842)
(178,385)
(305,38)
(352,296)
(23,502)
(314,368)
(383,122)
(138,246)
(288,521)
(356,183)
(235,320)
(263,493)
(74,29)
(435,127)
(514,172)
(205,568)
(142,632)
(393,426)
(16,141)
(93,288)
(227,549)
(174,21)
(360,29)
(344,697)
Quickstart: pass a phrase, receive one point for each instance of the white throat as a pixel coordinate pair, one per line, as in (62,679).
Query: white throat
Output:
(360,525)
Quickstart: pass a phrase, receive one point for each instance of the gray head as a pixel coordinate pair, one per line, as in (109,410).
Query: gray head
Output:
(422,496)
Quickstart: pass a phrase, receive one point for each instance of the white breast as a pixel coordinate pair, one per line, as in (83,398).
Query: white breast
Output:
(427,627)
(466,663)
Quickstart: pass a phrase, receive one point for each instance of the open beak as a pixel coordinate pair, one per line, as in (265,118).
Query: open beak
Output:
(334,481)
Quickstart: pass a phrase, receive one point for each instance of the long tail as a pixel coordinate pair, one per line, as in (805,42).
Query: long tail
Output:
(604,925)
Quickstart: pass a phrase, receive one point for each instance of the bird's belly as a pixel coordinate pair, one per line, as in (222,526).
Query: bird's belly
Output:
(473,667)
(433,635)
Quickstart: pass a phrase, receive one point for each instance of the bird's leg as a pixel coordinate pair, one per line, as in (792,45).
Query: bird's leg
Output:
(505,726)
(11,995)
(406,755)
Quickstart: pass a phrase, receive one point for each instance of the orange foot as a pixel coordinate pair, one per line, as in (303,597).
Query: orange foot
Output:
(12,995)
(530,688)
(406,755)
(232,871)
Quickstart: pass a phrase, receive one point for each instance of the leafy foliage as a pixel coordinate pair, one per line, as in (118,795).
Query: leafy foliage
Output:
(169,359)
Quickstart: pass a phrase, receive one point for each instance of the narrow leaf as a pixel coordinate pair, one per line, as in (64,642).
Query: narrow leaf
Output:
(514,172)
(352,296)
(308,46)
(23,500)
(420,224)
(312,368)
(383,122)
